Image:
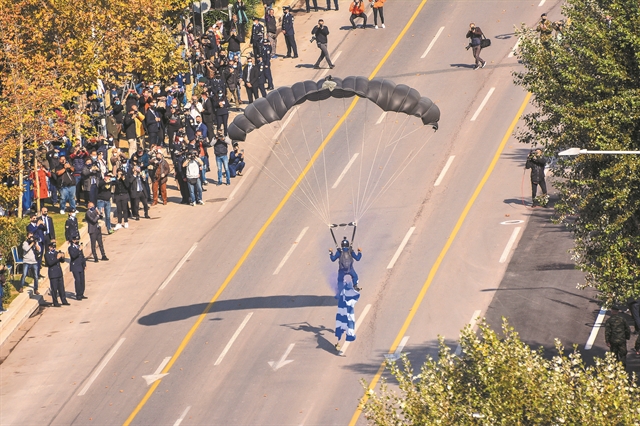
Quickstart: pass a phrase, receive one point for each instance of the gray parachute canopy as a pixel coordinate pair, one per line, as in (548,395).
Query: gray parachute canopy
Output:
(385,93)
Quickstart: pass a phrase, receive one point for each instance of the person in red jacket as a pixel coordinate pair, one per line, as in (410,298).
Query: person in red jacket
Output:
(357,11)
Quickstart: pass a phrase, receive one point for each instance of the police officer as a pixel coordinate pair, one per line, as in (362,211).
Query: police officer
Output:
(266,60)
(320,32)
(53,259)
(261,77)
(181,177)
(289,33)
(616,334)
(257,34)
(77,265)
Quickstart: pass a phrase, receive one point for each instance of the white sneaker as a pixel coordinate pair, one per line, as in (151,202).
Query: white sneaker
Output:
(118,226)
(376,27)
(382,25)
(126,225)
(62,211)
(201,202)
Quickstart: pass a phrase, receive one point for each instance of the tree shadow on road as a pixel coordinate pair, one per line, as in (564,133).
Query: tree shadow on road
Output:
(180,313)
(323,342)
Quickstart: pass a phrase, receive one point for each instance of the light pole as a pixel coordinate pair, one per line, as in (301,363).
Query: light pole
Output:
(578,151)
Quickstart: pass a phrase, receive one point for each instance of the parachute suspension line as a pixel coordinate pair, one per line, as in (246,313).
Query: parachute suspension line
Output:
(410,157)
(373,164)
(346,127)
(324,161)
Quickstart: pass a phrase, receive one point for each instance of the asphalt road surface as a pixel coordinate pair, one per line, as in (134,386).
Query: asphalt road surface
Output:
(190,323)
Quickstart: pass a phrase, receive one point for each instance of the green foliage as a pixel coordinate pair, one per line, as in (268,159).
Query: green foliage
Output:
(499,380)
(13,232)
(586,90)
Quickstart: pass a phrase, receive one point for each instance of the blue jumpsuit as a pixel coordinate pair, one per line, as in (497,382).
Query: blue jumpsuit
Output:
(342,272)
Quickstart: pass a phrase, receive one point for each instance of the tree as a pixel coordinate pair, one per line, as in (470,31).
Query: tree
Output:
(501,380)
(586,90)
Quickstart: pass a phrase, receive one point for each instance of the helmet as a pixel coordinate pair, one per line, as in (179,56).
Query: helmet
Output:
(344,243)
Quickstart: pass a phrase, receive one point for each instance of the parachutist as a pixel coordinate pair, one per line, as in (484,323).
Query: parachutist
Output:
(347,255)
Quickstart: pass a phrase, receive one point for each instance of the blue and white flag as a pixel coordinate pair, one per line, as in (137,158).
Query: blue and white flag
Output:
(346,316)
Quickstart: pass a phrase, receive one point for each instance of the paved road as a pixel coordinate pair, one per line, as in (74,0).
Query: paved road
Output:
(453,259)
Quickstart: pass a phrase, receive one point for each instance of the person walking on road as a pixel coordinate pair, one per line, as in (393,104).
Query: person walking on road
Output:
(616,334)
(320,32)
(476,35)
(289,33)
(357,11)
(95,232)
(536,162)
(53,259)
(77,265)
(378,8)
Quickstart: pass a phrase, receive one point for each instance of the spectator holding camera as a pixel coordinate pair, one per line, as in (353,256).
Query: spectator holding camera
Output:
(174,121)
(159,172)
(132,124)
(236,161)
(66,183)
(77,265)
(475,34)
(357,11)
(30,255)
(37,228)
(378,8)
(121,198)
(233,42)
(138,192)
(95,232)
(208,114)
(90,175)
(220,149)
(320,33)
(192,166)
(222,111)
(53,260)
(105,192)
(153,121)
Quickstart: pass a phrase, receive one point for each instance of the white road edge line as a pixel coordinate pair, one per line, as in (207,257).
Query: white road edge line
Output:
(515,48)
(334,60)
(595,329)
(101,366)
(233,193)
(286,122)
(178,266)
(184,414)
(344,172)
(233,338)
(290,252)
(402,244)
(510,243)
(541,2)
(382,116)
(432,43)
(472,323)
(484,102)
(358,323)
(444,170)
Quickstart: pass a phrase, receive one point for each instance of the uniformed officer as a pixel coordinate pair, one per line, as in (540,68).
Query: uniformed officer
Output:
(53,259)
(262,77)
(257,34)
(266,61)
(289,33)
(77,265)
(616,334)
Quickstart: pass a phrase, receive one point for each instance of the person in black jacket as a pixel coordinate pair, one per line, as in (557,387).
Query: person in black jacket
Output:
(536,162)
(95,232)
(152,120)
(222,111)
(220,149)
(320,32)
(53,259)
(105,192)
(271,24)
(71,225)
(257,34)
(289,33)
(250,76)
(77,265)
(174,122)
(233,46)
(266,61)
(476,35)
(121,198)
(208,114)
(138,192)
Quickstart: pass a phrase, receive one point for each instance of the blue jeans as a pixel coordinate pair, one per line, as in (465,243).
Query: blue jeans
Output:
(105,207)
(54,193)
(25,271)
(205,162)
(220,161)
(195,191)
(68,193)
(236,55)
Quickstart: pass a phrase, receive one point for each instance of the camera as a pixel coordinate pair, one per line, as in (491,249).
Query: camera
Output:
(312,39)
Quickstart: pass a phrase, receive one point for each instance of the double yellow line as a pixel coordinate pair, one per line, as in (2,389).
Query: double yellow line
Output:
(264,227)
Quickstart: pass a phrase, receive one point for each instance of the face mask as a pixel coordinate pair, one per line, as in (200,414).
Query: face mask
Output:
(94,158)
(181,139)
(117,102)
(159,158)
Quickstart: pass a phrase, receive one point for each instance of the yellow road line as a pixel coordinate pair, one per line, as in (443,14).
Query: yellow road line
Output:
(262,230)
(443,253)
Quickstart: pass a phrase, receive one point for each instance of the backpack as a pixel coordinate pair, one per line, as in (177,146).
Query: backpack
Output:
(345,260)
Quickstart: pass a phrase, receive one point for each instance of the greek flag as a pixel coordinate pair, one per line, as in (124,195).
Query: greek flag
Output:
(346,317)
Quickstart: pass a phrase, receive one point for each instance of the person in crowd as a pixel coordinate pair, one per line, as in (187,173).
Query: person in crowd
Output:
(137,192)
(475,34)
(347,255)
(105,192)
(240,10)
(378,9)
(78,159)
(222,111)
(37,228)
(121,198)
(95,231)
(90,176)
(271,25)
(180,172)
(174,121)
(257,34)
(250,76)
(262,79)
(320,32)
(267,4)
(132,125)
(159,170)
(53,158)
(236,161)
(536,162)
(30,255)
(49,231)
(71,225)
(67,184)
(616,334)
(77,265)
(266,61)
(289,33)
(208,114)
(40,185)
(231,76)
(233,44)
(357,11)
(192,166)
(220,149)
(153,121)
(102,163)
(634,309)
(53,260)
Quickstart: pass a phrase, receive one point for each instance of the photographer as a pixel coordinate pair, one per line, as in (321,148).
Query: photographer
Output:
(90,176)
(159,172)
(174,121)
(67,184)
(181,179)
(105,191)
(357,11)
(153,122)
(30,256)
(201,144)
(121,198)
(231,76)
(95,233)
(78,159)
(536,162)
(133,127)
(235,39)
(138,192)
(192,166)
(476,35)
(53,155)
(53,260)
(220,149)
(37,228)
(320,33)
(208,114)
(236,161)
(222,111)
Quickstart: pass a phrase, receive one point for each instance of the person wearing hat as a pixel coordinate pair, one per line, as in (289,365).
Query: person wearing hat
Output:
(77,265)
(616,334)
(53,260)
(71,225)
(95,232)
(257,34)
(289,33)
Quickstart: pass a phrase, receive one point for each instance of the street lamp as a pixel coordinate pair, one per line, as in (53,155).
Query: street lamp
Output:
(578,151)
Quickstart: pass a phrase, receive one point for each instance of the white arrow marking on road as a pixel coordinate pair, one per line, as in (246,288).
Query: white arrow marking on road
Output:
(444,171)
(334,60)
(233,338)
(283,361)
(233,193)
(150,378)
(595,329)
(290,252)
(358,322)
(344,172)
(382,116)
(541,2)
(510,243)
(396,355)
(178,266)
(103,364)
(472,323)
(484,102)
(514,50)
(286,122)
(432,43)
(184,414)
(402,244)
